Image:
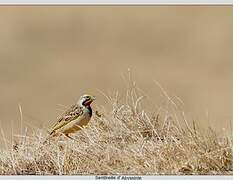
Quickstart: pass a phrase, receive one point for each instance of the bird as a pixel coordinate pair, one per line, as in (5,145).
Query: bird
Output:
(74,118)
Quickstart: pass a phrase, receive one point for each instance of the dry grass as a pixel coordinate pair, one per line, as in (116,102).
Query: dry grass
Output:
(125,137)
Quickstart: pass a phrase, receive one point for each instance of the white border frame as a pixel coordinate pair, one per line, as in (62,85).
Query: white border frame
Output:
(116,2)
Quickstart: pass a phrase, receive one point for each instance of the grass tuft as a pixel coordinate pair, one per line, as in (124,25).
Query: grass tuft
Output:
(125,138)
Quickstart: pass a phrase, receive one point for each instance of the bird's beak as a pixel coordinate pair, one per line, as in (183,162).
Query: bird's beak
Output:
(93,98)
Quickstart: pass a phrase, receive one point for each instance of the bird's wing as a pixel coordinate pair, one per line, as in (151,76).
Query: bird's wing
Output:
(71,114)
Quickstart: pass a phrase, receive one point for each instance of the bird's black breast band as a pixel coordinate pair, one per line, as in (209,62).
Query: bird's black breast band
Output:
(90,110)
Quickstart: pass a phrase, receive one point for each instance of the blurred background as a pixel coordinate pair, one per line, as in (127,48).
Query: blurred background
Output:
(51,55)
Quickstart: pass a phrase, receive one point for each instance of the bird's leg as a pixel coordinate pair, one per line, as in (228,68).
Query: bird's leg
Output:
(67,135)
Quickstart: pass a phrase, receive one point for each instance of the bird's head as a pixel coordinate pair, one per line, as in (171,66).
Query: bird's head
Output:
(86,100)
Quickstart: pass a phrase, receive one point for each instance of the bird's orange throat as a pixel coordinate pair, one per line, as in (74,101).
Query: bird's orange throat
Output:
(87,103)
